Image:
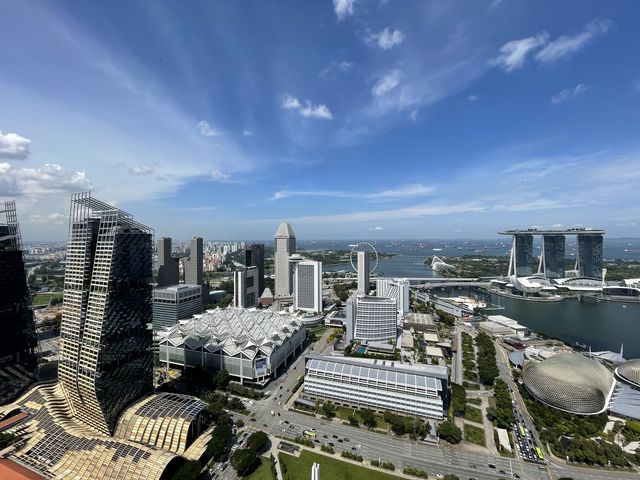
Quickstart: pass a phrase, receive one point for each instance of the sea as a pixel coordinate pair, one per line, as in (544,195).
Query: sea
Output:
(602,326)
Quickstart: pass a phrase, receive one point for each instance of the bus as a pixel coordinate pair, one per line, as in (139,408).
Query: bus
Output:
(539,452)
(309,433)
(522,432)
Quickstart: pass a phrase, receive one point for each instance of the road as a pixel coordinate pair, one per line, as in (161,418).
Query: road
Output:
(402,452)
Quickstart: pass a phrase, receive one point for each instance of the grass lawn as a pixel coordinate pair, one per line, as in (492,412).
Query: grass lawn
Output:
(263,472)
(473,414)
(474,401)
(300,468)
(474,435)
(44,298)
(343,414)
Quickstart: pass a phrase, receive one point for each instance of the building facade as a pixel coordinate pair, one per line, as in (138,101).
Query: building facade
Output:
(106,360)
(371,319)
(363,273)
(254,257)
(307,293)
(245,287)
(419,391)
(193,265)
(396,288)
(590,256)
(18,341)
(285,246)
(553,253)
(174,303)
(168,266)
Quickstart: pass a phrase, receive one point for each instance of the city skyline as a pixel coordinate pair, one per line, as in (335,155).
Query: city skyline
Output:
(308,118)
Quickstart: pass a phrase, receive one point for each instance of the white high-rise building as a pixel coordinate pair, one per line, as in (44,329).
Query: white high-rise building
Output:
(245,287)
(396,288)
(307,286)
(285,246)
(363,273)
(371,319)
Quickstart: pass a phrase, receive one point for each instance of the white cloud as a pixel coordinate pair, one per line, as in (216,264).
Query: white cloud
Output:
(376,229)
(247,133)
(218,175)
(387,39)
(142,169)
(494,4)
(51,218)
(404,191)
(14,146)
(207,130)
(343,8)
(387,83)
(343,66)
(472,98)
(45,180)
(569,93)
(513,54)
(566,45)
(307,109)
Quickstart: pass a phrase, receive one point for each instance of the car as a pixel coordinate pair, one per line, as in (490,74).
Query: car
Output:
(339,440)
(472,465)
(331,444)
(280,387)
(253,419)
(334,436)
(279,414)
(491,465)
(265,425)
(286,421)
(346,439)
(324,436)
(316,441)
(353,448)
(502,472)
(515,475)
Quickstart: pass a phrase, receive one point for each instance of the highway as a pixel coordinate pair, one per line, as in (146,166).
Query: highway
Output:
(400,451)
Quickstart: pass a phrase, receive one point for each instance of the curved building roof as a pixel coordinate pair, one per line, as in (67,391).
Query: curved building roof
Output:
(234,331)
(630,372)
(570,382)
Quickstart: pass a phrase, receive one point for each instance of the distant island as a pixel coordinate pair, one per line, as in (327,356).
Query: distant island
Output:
(335,257)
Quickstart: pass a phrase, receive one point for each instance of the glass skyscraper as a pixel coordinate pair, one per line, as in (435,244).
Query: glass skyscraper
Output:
(590,256)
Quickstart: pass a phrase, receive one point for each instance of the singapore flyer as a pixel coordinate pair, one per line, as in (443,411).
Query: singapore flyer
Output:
(363,247)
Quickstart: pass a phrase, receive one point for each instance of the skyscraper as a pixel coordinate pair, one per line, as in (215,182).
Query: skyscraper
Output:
(590,256)
(307,286)
(285,245)
(168,268)
(193,265)
(245,287)
(254,257)
(371,319)
(363,272)
(18,339)
(105,357)
(521,261)
(396,288)
(552,258)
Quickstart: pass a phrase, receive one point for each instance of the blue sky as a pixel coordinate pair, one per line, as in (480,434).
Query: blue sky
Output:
(348,118)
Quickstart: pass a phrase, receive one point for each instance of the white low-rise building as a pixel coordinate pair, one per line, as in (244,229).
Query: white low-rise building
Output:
(378,384)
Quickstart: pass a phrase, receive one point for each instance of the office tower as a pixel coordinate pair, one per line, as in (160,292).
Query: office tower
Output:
(254,257)
(193,274)
(521,255)
(307,286)
(552,257)
(105,356)
(363,273)
(18,341)
(168,268)
(590,256)
(285,246)
(396,288)
(371,319)
(245,287)
(174,303)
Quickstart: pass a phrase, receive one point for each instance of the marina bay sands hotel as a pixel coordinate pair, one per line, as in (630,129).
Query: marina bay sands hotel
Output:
(552,258)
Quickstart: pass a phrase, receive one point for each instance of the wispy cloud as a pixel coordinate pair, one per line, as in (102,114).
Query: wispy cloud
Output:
(568,93)
(386,39)
(247,133)
(207,130)
(566,44)
(343,8)
(306,109)
(141,169)
(472,98)
(405,191)
(513,54)
(334,67)
(387,83)
(220,176)
(14,146)
(376,229)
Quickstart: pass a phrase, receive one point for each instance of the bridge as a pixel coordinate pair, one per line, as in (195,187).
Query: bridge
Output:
(427,286)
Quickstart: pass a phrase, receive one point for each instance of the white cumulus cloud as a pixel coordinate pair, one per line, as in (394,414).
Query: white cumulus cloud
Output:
(513,54)
(48,179)
(387,83)
(387,39)
(14,146)
(207,130)
(343,8)
(306,109)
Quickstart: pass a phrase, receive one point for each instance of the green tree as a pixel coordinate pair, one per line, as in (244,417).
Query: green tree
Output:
(190,470)
(353,420)
(257,441)
(449,432)
(368,418)
(244,461)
